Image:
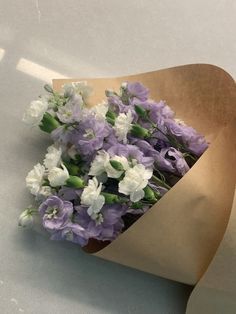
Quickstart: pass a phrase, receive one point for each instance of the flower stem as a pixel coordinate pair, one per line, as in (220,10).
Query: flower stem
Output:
(160,182)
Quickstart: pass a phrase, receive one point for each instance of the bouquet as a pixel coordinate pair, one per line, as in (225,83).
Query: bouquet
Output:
(108,164)
(130,181)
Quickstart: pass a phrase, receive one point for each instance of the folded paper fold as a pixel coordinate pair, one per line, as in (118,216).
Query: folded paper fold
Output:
(178,237)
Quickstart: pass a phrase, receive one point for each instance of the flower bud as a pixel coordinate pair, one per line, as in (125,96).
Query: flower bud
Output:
(149,194)
(111,114)
(111,121)
(140,111)
(117,165)
(49,123)
(139,131)
(26,218)
(48,88)
(110,198)
(72,168)
(75,182)
(137,205)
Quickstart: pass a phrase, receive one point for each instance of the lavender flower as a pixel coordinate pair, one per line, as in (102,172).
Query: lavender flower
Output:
(71,112)
(69,194)
(157,109)
(55,213)
(110,140)
(108,225)
(90,135)
(131,152)
(171,158)
(62,135)
(71,232)
(115,104)
(194,142)
(137,90)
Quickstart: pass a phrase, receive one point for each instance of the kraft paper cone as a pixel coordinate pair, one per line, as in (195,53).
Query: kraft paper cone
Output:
(178,237)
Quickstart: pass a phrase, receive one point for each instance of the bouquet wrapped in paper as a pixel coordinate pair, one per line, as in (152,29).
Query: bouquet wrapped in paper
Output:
(140,170)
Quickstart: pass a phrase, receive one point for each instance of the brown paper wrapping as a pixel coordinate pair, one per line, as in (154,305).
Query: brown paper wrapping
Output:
(179,236)
(215,293)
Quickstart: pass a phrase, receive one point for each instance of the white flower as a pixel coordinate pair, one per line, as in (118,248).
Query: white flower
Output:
(102,164)
(26,218)
(34,179)
(53,157)
(100,110)
(98,165)
(58,176)
(79,88)
(71,112)
(91,197)
(123,126)
(135,181)
(44,192)
(35,112)
(72,152)
(111,171)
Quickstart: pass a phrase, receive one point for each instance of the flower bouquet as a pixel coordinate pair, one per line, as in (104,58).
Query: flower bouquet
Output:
(119,171)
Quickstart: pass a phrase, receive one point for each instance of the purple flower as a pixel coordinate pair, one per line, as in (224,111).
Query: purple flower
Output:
(145,147)
(71,112)
(175,159)
(131,152)
(116,105)
(137,90)
(157,114)
(110,140)
(156,110)
(110,222)
(71,232)
(55,213)
(90,135)
(160,109)
(197,145)
(194,142)
(69,194)
(62,135)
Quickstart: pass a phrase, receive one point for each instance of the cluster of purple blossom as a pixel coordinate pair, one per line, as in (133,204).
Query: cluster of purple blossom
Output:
(108,164)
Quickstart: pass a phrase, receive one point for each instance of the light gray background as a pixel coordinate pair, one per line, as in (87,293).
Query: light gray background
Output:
(87,38)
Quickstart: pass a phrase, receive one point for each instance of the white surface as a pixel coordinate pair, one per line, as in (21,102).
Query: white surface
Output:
(44,39)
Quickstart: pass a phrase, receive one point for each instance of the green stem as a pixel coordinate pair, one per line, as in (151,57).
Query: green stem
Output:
(160,182)
(160,174)
(190,156)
